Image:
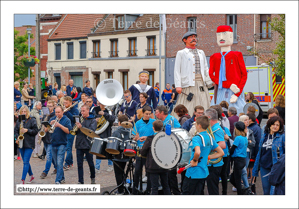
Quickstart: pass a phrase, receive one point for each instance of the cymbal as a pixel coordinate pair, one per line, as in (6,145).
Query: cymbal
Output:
(89,132)
(126,124)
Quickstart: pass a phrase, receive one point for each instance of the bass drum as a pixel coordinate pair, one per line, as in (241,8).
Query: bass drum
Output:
(171,150)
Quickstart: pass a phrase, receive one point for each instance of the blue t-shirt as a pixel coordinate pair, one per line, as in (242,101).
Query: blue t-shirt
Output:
(266,152)
(59,137)
(201,171)
(131,110)
(241,142)
(219,136)
(175,122)
(144,129)
(226,152)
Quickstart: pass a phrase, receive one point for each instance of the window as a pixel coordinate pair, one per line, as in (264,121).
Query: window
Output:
(96,49)
(82,49)
(110,75)
(278,79)
(151,45)
(114,48)
(151,80)
(265,26)
(191,24)
(232,22)
(120,20)
(97,78)
(70,50)
(57,51)
(78,78)
(125,80)
(132,47)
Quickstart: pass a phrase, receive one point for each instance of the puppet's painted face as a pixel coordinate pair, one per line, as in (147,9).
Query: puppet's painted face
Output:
(190,41)
(143,78)
(225,39)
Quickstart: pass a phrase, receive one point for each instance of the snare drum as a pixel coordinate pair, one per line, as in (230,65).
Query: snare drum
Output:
(130,148)
(113,145)
(98,147)
(171,150)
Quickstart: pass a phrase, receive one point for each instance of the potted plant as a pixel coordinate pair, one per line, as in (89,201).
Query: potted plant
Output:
(29,61)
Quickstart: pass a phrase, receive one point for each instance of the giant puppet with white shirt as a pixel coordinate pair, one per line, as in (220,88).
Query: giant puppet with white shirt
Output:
(228,71)
(191,75)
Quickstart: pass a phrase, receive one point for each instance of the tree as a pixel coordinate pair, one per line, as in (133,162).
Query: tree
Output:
(20,49)
(278,25)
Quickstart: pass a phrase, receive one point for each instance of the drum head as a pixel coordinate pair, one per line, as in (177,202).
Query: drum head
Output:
(166,150)
(257,109)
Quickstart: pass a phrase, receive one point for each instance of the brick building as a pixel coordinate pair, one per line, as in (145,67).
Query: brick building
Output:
(251,31)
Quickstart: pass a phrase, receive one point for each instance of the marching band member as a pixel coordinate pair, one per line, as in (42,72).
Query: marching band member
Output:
(83,144)
(47,141)
(118,163)
(59,141)
(29,131)
(199,111)
(128,107)
(215,169)
(162,114)
(143,97)
(70,138)
(191,74)
(144,128)
(202,144)
(106,133)
(135,89)
(37,113)
(152,168)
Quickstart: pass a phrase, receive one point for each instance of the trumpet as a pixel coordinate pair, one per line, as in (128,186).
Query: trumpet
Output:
(53,126)
(21,136)
(75,128)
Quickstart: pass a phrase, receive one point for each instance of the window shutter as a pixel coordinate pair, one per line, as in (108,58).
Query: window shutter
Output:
(83,49)
(58,51)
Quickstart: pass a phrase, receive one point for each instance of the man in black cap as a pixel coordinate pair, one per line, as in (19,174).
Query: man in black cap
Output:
(191,74)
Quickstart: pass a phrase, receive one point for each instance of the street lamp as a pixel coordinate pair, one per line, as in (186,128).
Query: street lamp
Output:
(28,32)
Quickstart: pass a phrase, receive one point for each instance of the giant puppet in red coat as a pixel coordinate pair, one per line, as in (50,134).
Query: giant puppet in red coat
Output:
(228,71)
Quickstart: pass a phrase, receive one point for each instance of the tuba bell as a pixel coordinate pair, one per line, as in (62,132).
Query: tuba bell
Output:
(109,92)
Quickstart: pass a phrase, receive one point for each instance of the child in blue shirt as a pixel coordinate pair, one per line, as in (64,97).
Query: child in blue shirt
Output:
(238,153)
(202,144)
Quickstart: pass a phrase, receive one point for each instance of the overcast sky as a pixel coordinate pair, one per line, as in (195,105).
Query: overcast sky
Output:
(24,19)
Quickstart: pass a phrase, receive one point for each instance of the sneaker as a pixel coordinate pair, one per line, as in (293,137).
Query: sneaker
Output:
(23,182)
(19,158)
(79,182)
(98,171)
(93,181)
(34,155)
(110,168)
(234,189)
(57,182)
(43,175)
(31,179)
(40,156)
(66,167)
(144,179)
(54,172)
(62,181)
(15,157)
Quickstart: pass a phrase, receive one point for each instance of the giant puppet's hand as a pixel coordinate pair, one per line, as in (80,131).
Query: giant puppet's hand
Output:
(179,90)
(233,99)
(234,88)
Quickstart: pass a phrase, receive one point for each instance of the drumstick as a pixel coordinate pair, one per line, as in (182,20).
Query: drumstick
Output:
(184,168)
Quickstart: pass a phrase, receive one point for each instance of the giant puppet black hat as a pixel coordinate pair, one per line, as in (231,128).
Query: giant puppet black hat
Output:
(186,35)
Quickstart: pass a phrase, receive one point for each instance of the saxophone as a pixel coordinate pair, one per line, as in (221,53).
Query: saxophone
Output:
(21,136)
(42,132)
(75,128)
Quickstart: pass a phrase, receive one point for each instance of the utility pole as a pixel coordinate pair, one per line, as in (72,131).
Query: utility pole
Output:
(37,66)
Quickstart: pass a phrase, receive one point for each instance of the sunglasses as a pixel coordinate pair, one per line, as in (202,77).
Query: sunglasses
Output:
(127,96)
(89,101)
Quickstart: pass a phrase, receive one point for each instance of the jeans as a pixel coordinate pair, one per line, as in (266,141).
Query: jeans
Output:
(154,178)
(69,147)
(223,175)
(171,106)
(173,181)
(267,188)
(244,172)
(213,180)
(193,186)
(98,163)
(119,173)
(26,155)
(89,157)
(140,162)
(235,180)
(58,154)
(48,148)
